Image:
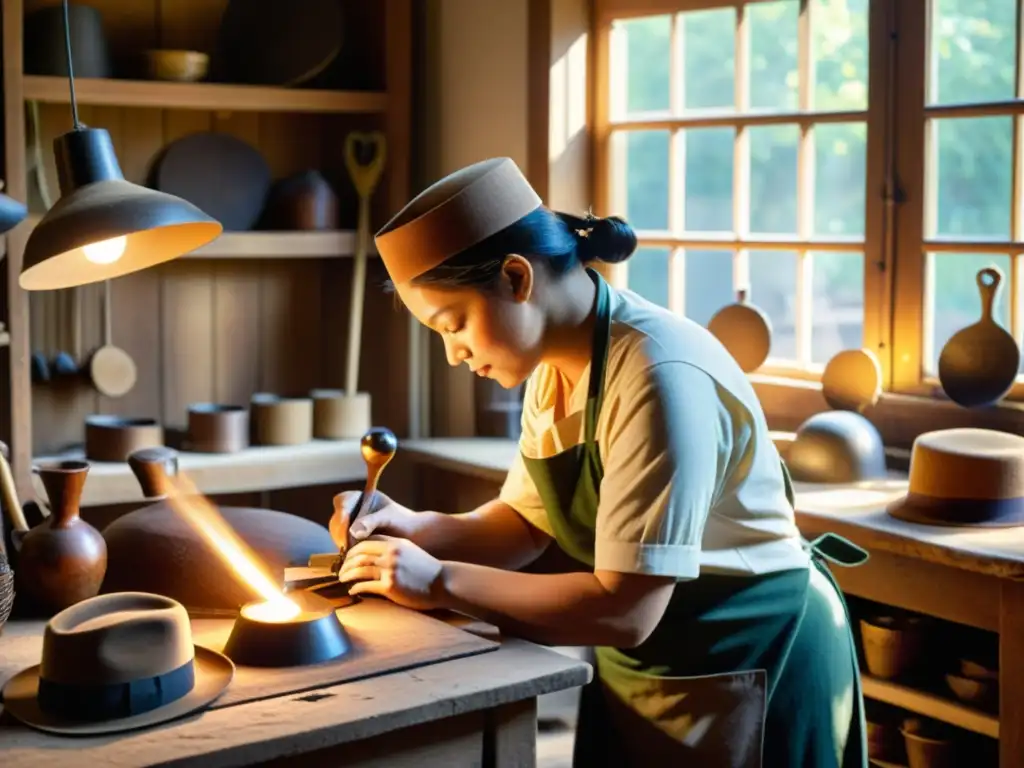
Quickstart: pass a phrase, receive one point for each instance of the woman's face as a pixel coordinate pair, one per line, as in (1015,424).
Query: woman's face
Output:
(498,333)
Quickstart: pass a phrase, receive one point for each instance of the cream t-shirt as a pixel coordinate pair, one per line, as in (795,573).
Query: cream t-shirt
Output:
(692,481)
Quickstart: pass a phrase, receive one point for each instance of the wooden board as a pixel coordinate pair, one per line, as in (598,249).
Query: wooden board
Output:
(385,638)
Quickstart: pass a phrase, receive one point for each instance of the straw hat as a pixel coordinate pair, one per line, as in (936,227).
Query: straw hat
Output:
(968,477)
(115,663)
(453,214)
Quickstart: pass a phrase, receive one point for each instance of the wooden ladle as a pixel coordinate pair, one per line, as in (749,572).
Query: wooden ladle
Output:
(745,331)
(112,370)
(979,364)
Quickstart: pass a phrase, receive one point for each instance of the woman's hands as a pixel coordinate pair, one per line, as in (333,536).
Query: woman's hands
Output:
(396,569)
(384,516)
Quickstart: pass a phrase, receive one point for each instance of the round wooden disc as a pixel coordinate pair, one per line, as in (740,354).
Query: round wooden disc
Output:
(113,371)
(220,174)
(852,380)
(746,332)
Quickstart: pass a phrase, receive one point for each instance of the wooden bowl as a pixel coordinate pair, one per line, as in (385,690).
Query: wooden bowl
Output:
(215,428)
(893,645)
(979,692)
(929,744)
(113,438)
(177,66)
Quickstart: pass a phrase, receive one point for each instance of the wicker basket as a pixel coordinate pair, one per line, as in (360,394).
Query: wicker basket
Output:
(6,591)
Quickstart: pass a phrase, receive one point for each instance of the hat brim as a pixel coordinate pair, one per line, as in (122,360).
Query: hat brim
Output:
(908,511)
(214,672)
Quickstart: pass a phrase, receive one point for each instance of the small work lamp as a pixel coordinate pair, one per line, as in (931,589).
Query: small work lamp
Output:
(103,226)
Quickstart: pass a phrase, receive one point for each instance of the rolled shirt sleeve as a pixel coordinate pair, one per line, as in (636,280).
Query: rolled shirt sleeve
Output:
(661,469)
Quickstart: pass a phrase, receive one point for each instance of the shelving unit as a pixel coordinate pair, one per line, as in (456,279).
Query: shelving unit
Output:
(251,311)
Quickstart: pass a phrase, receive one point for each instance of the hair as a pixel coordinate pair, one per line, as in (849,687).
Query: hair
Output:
(561,240)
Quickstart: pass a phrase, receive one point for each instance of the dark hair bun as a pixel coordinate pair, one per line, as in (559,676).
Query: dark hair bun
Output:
(610,240)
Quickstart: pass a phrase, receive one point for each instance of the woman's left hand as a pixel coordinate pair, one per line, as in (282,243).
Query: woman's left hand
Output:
(396,569)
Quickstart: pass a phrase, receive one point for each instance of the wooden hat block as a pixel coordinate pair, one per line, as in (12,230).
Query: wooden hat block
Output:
(965,477)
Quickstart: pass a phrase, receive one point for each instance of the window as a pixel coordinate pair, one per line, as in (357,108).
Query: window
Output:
(853,163)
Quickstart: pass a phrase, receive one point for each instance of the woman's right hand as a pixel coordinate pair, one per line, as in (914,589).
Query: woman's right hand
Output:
(384,516)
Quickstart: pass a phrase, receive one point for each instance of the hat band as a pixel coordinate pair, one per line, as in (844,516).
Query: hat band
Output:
(1009,511)
(114,701)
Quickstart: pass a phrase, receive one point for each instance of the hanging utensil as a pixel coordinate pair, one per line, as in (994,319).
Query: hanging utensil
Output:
(63,364)
(744,330)
(364,158)
(111,369)
(979,364)
(40,364)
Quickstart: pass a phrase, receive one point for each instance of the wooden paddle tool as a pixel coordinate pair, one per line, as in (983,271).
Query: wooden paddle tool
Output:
(112,370)
(745,331)
(364,158)
(979,364)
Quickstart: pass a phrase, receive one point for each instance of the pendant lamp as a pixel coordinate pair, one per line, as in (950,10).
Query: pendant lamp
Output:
(12,213)
(103,226)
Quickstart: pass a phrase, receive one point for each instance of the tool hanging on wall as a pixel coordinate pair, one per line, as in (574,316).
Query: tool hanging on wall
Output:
(365,154)
(112,370)
(744,330)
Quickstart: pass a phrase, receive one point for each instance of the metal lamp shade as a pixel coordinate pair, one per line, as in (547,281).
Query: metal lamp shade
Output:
(97,204)
(12,213)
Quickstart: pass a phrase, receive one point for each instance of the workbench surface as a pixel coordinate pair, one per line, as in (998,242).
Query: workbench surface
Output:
(843,509)
(291,726)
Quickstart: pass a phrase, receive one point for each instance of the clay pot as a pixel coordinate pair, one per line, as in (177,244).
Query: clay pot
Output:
(155,549)
(62,560)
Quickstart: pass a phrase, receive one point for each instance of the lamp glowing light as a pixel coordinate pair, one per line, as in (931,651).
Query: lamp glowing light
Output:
(105,251)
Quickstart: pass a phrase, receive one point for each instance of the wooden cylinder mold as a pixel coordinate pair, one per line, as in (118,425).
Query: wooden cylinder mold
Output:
(279,420)
(113,438)
(216,428)
(336,416)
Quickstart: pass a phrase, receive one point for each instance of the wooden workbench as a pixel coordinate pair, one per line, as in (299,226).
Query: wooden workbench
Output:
(477,710)
(973,577)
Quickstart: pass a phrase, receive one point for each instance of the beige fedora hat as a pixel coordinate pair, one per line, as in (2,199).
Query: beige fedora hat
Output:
(965,477)
(115,663)
(453,214)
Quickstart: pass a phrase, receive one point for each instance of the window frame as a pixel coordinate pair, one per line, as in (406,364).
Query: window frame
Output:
(894,242)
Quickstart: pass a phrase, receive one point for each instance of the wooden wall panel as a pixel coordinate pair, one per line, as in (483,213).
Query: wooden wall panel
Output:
(220,330)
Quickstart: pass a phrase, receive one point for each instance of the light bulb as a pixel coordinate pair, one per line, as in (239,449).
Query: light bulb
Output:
(106,251)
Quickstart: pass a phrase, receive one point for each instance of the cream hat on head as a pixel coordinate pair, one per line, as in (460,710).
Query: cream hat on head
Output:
(453,214)
(115,663)
(965,477)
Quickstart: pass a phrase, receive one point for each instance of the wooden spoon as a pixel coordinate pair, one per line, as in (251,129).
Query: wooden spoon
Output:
(112,370)
(979,364)
(745,331)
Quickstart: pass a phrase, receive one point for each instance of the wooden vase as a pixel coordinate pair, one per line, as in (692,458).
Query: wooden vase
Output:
(62,560)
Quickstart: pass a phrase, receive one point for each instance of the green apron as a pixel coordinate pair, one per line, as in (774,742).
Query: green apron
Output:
(741,671)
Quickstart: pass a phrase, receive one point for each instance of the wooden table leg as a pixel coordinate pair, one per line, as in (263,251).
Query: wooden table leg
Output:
(510,738)
(1011,673)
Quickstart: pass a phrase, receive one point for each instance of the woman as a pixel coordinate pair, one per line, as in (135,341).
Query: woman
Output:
(719,639)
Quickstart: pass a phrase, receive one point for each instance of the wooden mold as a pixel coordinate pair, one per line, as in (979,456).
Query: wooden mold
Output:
(281,420)
(217,428)
(338,416)
(114,438)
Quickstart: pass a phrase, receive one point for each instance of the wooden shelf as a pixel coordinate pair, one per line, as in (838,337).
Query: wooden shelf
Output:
(273,245)
(264,468)
(930,705)
(204,96)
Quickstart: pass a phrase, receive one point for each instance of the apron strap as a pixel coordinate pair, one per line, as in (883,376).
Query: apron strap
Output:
(599,356)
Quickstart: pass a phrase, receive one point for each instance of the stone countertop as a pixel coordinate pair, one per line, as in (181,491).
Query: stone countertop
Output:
(856,511)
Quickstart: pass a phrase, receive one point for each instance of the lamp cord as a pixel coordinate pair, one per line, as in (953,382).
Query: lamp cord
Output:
(71,69)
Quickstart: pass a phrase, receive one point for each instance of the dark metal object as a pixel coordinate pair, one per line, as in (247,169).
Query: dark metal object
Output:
(12,213)
(836,447)
(314,636)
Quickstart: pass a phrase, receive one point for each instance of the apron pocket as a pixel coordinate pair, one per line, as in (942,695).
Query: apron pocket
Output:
(707,720)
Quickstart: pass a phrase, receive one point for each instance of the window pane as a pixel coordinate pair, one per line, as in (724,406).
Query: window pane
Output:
(840,54)
(840,165)
(974,50)
(708,283)
(975,175)
(773,150)
(837,304)
(646,47)
(773,289)
(954,301)
(709,59)
(773,49)
(648,274)
(708,184)
(644,191)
